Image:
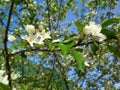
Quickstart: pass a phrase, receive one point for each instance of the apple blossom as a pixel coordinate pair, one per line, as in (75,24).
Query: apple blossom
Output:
(37,37)
(94,30)
(30,39)
(44,35)
(86,63)
(30,29)
(11,38)
(3,78)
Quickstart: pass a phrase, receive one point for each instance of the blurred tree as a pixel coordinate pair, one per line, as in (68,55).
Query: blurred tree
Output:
(72,56)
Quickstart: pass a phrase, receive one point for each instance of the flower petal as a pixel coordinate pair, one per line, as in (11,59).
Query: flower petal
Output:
(11,38)
(99,37)
(86,63)
(30,29)
(92,28)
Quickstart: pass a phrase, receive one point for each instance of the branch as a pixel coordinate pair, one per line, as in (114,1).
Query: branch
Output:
(6,55)
(104,73)
(51,75)
(48,50)
(62,70)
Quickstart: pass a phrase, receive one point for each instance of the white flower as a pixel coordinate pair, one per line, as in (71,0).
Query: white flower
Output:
(86,63)
(44,35)
(7,0)
(37,37)
(40,27)
(3,78)
(2,72)
(14,76)
(94,30)
(38,40)
(30,29)
(99,37)
(30,39)
(14,89)
(11,38)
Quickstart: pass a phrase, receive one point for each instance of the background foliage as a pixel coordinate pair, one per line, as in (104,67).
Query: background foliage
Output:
(60,65)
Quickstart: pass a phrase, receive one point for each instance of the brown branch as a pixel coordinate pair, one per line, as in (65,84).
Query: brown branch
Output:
(62,70)
(50,79)
(95,81)
(48,50)
(6,55)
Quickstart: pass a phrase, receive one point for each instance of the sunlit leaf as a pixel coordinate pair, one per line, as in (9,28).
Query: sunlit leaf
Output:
(79,59)
(109,22)
(65,46)
(51,46)
(79,25)
(109,33)
(4,87)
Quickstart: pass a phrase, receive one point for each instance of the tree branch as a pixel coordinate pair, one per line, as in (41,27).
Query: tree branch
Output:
(6,55)
(49,81)
(48,50)
(62,70)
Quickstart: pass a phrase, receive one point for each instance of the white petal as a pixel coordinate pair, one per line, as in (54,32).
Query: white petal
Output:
(92,28)
(86,63)
(24,37)
(2,72)
(40,42)
(30,39)
(44,35)
(30,29)
(11,38)
(100,37)
(57,40)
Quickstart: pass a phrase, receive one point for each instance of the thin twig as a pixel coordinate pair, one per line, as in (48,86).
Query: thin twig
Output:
(5,45)
(50,79)
(62,70)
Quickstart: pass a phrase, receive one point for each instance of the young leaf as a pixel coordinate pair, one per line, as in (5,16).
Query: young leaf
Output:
(94,48)
(109,22)
(51,46)
(79,59)
(109,33)
(79,25)
(66,46)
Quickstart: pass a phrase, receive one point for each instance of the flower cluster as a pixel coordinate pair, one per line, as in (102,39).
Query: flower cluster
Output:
(94,30)
(3,78)
(35,36)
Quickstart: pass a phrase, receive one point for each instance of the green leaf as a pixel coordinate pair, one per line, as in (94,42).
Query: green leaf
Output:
(4,87)
(79,59)
(79,25)
(109,33)
(109,22)
(51,46)
(114,50)
(66,46)
(23,54)
(94,48)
